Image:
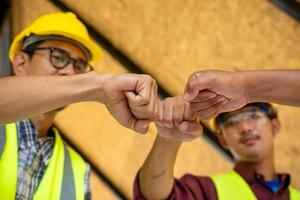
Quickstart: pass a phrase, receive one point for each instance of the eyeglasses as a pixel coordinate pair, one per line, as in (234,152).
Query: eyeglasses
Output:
(251,116)
(60,58)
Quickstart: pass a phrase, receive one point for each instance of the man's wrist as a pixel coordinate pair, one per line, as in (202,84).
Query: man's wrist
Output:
(246,85)
(168,142)
(96,86)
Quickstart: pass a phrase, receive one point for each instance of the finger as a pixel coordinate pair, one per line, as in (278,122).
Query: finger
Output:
(160,109)
(144,89)
(193,128)
(195,131)
(159,123)
(204,95)
(168,113)
(190,130)
(123,114)
(213,115)
(178,111)
(140,126)
(205,105)
(156,114)
(131,97)
(152,107)
(190,94)
(207,113)
(188,113)
(197,81)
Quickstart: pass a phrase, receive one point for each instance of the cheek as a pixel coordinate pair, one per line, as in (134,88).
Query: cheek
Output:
(232,139)
(265,131)
(267,136)
(40,66)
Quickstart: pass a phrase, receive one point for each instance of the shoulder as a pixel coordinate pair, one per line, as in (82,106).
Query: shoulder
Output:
(198,185)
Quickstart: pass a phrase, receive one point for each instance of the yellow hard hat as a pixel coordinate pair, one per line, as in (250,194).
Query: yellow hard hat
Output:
(60,24)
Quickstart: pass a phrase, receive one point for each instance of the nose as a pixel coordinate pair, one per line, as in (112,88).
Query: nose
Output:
(68,70)
(245,125)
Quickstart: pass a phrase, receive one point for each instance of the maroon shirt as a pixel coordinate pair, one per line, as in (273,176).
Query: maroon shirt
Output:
(202,188)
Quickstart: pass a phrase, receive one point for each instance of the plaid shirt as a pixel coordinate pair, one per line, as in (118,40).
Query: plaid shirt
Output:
(33,157)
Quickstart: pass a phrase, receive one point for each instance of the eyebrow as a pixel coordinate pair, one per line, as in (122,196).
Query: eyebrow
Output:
(64,49)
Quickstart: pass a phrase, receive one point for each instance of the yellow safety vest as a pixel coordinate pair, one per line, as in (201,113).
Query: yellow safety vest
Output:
(63,178)
(231,186)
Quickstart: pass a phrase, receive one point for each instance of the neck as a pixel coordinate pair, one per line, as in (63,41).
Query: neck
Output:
(266,167)
(42,123)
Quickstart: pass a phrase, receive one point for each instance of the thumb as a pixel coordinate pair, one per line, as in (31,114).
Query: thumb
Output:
(135,99)
(195,84)
(192,128)
(190,94)
(130,97)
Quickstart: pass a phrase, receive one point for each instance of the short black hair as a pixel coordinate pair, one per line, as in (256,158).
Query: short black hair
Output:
(29,50)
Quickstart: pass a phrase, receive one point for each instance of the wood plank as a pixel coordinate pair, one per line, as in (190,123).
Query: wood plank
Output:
(102,142)
(170,40)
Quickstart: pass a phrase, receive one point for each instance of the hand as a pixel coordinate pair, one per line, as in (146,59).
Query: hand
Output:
(141,109)
(177,122)
(213,92)
(140,90)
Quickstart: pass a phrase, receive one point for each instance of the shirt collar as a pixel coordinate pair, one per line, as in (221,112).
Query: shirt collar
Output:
(27,134)
(27,139)
(252,176)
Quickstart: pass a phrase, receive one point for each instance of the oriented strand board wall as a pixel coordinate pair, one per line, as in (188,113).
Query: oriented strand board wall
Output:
(189,35)
(171,39)
(116,151)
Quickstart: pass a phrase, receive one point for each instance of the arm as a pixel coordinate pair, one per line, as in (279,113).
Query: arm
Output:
(176,125)
(156,178)
(280,87)
(25,96)
(236,89)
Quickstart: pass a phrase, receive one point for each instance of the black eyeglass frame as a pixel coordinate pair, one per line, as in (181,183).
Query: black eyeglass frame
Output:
(88,67)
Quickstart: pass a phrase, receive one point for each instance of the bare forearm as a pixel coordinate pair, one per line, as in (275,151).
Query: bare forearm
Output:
(25,96)
(278,86)
(156,175)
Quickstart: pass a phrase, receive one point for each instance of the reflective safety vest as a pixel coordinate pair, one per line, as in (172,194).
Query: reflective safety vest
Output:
(63,178)
(231,186)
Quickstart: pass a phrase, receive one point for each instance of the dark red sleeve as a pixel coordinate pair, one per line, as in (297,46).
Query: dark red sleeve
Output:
(187,188)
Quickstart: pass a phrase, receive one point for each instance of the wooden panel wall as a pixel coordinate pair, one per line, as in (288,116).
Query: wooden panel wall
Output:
(170,40)
(192,35)
(114,150)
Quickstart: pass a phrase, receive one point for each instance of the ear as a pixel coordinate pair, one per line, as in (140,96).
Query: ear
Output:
(223,142)
(276,126)
(20,63)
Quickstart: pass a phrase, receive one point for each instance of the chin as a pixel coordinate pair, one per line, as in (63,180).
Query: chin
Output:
(249,156)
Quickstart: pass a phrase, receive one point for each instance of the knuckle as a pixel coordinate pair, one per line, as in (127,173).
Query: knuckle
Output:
(147,77)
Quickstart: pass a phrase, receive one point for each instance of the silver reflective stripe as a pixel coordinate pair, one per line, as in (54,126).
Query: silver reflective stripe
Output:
(2,139)
(68,183)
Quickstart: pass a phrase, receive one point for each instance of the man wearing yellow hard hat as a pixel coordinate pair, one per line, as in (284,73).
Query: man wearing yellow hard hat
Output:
(34,161)
(248,133)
